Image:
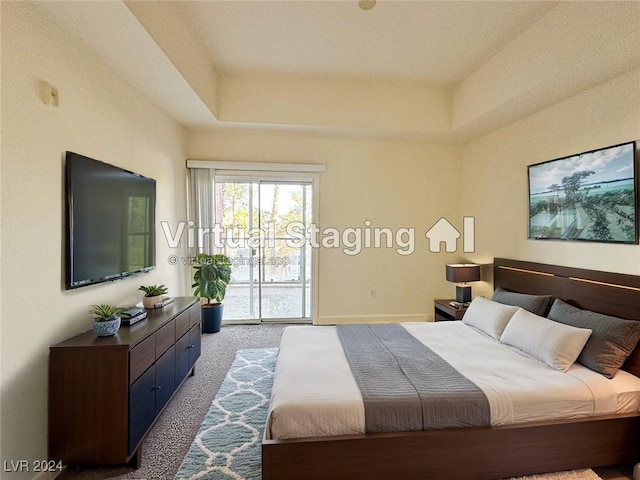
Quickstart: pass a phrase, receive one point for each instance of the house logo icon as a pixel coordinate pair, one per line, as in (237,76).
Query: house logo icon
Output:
(443,232)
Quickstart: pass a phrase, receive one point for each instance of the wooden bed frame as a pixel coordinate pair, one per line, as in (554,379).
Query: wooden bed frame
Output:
(486,452)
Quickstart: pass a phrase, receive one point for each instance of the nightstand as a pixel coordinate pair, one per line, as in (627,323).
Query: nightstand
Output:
(445,312)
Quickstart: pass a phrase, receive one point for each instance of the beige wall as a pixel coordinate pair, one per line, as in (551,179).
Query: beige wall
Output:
(495,187)
(100,116)
(391,184)
(392,106)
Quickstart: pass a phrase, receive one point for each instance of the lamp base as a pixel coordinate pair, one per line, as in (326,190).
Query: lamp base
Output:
(463,294)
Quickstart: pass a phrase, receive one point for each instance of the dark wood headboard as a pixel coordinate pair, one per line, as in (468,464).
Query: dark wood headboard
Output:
(615,294)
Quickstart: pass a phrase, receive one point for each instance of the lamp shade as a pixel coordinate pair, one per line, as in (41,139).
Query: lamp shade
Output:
(463,272)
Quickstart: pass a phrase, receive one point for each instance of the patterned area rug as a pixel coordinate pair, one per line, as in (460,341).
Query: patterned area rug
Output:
(228,445)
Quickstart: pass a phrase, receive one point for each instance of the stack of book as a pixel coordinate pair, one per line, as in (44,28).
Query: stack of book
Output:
(132,315)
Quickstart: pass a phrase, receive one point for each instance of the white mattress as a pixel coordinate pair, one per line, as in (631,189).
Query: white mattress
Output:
(314,393)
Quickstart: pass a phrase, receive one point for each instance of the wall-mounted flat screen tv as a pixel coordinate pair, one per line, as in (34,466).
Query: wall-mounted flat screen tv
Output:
(110,222)
(591,196)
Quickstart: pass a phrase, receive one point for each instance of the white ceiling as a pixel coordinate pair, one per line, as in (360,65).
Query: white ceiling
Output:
(496,61)
(440,42)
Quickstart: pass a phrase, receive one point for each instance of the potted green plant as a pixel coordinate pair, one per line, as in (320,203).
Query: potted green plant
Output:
(106,320)
(153,294)
(210,279)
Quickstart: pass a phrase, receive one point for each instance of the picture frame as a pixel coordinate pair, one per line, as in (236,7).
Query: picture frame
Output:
(591,196)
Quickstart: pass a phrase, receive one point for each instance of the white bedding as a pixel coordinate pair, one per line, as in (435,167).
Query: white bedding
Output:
(314,393)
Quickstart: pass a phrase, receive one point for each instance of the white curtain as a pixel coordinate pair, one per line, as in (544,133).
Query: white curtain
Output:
(202,208)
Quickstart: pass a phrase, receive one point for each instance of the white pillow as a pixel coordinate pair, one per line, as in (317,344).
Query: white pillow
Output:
(488,316)
(555,344)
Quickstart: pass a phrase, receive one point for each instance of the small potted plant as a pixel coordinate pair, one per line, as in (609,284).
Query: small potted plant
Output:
(153,294)
(106,320)
(210,279)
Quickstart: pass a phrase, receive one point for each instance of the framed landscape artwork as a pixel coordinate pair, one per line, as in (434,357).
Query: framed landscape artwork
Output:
(591,196)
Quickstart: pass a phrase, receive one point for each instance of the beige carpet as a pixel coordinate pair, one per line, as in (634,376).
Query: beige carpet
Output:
(572,475)
(170,438)
(619,472)
(622,472)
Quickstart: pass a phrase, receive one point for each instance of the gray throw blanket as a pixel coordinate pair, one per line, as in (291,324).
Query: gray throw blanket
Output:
(405,385)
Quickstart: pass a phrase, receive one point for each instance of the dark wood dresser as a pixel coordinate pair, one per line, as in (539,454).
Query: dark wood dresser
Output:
(105,393)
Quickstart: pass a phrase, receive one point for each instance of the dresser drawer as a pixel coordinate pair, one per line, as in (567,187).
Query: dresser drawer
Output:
(182,324)
(142,357)
(195,315)
(141,407)
(165,338)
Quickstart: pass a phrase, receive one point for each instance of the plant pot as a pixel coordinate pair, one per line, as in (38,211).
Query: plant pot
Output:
(150,302)
(211,317)
(106,328)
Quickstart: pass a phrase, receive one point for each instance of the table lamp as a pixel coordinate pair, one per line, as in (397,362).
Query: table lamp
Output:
(461,273)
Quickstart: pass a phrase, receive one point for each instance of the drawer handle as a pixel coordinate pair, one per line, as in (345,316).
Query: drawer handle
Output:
(159,387)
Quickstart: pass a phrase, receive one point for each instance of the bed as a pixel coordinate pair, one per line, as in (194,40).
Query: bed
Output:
(535,443)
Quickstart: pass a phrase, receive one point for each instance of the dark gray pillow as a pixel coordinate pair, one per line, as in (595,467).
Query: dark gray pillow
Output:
(537,304)
(612,339)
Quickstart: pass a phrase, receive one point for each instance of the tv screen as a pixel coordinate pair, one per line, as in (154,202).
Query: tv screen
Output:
(591,196)
(110,222)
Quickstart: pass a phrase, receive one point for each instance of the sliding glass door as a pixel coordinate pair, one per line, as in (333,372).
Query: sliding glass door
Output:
(272,269)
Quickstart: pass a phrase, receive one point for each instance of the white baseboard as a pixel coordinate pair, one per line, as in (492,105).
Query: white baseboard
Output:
(392,318)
